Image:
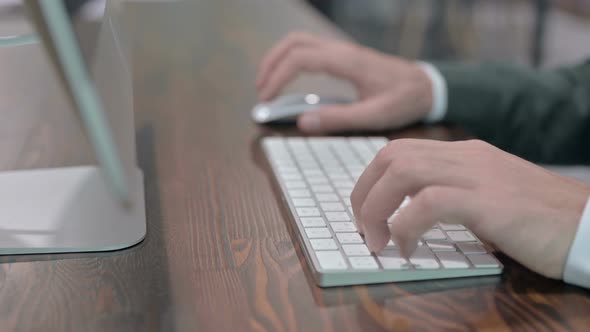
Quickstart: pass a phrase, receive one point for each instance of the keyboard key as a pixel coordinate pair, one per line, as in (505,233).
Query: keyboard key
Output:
(311,173)
(327,197)
(378,142)
(461,236)
(294,142)
(483,261)
(332,207)
(434,234)
(334,170)
(322,188)
(440,245)
(318,180)
(337,216)
(291,176)
(349,238)
(363,263)
(392,260)
(323,244)
(344,192)
(308,212)
(471,248)
(391,244)
(338,176)
(310,165)
(355,167)
(295,185)
(356,250)
(313,222)
(286,170)
(318,233)
(344,184)
(452,260)
(451,227)
(331,260)
(423,259)
(299,193)
(343,227)
(303,202)
(283,162)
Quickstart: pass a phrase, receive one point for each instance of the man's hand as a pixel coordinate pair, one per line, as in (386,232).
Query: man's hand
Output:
(393,92)
(526,211)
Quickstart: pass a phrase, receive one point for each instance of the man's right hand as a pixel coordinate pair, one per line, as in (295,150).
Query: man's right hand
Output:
(392,92)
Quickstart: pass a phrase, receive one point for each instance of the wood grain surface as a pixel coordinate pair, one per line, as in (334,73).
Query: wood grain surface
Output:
(220,253)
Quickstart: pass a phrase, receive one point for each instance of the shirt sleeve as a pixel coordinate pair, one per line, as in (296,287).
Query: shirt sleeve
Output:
(439,93)
(577,267)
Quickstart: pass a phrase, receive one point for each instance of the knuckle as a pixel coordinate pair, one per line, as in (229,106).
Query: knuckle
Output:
(429,198)
(297,37)
(400,146)
(477,144)
(383,155)
(402,168)
(296,58)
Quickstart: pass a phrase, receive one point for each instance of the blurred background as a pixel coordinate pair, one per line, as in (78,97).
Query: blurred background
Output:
(527,32)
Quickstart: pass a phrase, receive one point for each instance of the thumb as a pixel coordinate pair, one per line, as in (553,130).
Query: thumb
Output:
(362,115)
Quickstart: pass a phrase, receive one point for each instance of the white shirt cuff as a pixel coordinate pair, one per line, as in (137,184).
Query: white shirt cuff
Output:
(577,266)
(439,93)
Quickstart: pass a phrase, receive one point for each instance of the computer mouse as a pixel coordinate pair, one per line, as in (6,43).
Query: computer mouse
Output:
(286,108)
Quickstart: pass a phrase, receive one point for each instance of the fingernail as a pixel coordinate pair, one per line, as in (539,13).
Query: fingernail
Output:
(309,122)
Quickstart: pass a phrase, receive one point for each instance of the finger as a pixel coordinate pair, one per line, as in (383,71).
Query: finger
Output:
(320,60)
(404,177)
(365,182)
(431,205)
(377,168)
(363,115)
(269,62)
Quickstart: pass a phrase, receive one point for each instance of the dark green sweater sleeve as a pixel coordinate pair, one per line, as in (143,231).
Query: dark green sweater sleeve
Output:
(543,116)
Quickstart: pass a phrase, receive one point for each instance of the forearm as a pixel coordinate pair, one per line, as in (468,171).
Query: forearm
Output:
(543,116)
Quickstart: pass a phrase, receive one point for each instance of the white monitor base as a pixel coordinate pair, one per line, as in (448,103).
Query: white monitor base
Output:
(66,210)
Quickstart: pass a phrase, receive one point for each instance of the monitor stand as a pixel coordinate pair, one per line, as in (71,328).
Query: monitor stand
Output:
(72,209)
(68,209)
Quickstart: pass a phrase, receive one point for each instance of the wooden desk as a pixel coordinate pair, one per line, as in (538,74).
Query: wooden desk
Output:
(219,253)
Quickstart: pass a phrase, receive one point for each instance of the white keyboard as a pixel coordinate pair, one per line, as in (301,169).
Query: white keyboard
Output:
(317,175)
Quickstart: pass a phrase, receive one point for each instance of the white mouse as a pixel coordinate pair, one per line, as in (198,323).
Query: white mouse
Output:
(285,109)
